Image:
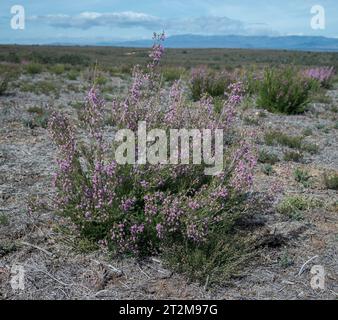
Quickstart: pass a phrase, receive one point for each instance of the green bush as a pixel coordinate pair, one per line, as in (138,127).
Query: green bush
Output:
(204,81)
(7,73)
(38,120)
(3,84)
(294,156)
(267,169)
(57,69)
(302,176)
(40,87)
(252,79)
(34,68)
(171,74)
(293,207)
(72,75)
(266,157)
(4,221)
(101,80)
(277,137)
(331,181)
(284,91)
(311,148)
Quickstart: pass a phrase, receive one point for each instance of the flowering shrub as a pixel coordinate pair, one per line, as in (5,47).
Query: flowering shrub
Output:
(284,90)
(323,75)
(144,209)
(204,81)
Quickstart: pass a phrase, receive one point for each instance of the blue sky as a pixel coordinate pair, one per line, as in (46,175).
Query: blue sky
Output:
(90,21)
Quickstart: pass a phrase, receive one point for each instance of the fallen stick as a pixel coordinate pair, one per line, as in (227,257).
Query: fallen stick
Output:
(37,247)
(305,264)
(108,265)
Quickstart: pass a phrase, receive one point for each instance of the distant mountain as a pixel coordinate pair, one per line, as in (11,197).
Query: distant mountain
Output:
(306,43)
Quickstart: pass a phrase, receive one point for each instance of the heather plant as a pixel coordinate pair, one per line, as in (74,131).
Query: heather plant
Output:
(144,208)
(324,75)
(284,91)
(204,81)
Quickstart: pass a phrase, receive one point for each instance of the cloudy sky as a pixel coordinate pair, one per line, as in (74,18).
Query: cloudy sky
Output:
(90,21)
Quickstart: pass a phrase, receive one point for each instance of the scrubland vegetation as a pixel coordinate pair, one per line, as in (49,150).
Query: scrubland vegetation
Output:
(278,110)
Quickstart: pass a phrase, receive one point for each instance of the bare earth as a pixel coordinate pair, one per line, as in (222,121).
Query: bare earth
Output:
(55,270)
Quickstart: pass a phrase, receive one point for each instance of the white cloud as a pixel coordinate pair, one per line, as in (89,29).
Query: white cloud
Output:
(86,20)
(214,25)
(206,25)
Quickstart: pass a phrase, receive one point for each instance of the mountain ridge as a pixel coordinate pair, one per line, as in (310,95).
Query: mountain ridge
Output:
(308,43)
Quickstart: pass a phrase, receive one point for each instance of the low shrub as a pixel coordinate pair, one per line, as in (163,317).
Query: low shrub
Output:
(40,87)
(294,156)
(33,68)
(307,132)
(101,80)
(324,75)
(72,75)
(277,137)
(171,74)
(294,207)
(38,120)
(251,121)
(36,110)
(311,148)
(4,79)
(320,96)
(8,73)
(252,79)
(267,169)
(284,91)
(331,181)
(302,176)
(267,157)
(4,221)
(204,81)
(57,69)
(145,209)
